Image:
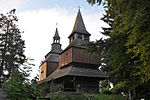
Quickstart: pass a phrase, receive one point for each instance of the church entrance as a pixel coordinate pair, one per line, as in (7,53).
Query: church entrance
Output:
(69,84)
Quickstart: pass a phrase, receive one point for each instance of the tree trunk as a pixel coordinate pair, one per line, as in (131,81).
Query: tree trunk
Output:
(130,95)
(1,67)
(1,70)
(134,92)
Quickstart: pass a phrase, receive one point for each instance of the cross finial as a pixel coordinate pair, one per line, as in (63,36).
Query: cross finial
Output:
(79,7)
(56,25)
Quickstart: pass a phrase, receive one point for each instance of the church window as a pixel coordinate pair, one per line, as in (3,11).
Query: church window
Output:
(73,38)
(67,54)
(86,38)
(82,37)
(75,35)
(42,73)
(79,36)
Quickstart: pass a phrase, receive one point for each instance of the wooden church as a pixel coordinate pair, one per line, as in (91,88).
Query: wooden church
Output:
(73,67)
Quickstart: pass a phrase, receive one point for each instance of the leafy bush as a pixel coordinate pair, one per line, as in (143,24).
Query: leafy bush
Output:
(107,91)
(18,87)
(118,88)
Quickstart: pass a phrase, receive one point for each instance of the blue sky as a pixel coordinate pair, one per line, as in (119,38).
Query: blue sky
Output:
(64,4)
(38,18)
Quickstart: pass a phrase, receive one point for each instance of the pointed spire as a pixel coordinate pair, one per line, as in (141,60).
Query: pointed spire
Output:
(56,38)
(79,26)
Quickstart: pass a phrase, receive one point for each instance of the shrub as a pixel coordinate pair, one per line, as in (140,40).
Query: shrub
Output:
(107,91)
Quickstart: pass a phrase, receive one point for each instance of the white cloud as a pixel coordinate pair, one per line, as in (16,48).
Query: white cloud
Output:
(40,25)
(7,5)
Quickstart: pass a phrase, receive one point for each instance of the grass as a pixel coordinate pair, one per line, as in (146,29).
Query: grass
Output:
(106,97)
(86,96)
(67,97)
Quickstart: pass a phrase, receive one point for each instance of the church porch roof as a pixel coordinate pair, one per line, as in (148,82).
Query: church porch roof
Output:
(76,71)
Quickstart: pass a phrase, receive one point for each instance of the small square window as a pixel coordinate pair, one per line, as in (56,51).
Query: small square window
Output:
(67,54)
(79,36)
(42,73)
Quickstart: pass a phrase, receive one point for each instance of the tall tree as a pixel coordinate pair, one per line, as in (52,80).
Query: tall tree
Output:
(11,44)
(125,54)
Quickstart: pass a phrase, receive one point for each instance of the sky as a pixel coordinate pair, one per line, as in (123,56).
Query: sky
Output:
(38,18)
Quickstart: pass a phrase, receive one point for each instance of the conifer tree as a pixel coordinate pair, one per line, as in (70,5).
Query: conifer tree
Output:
(11,44)
(125,54)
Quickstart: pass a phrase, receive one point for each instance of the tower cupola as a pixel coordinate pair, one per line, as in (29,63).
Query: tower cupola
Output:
(56,46)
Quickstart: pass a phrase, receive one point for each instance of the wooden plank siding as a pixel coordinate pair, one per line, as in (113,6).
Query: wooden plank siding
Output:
(78,55)
(43,70)
(51,67)
(81,56)
(47,68)
(65,58)
(87,84)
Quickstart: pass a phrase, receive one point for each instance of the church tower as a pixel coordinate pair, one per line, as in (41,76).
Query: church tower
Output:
(75,53)
(51,61)
(79,33)
(56,46)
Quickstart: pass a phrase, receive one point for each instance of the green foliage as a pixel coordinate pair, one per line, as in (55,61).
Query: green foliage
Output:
(106,97)
(92,2)
(12,59)
(86,97)
(125,54)
(44,87)
(11,44)
(67,97)
(107,91)
(104,84)
(34,90)
(56,89)
(118,88)
(16,87)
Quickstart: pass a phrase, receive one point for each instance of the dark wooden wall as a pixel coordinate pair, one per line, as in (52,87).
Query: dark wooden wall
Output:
(77,55)
(81,56)
(88,85)
(65,58)
(51,67)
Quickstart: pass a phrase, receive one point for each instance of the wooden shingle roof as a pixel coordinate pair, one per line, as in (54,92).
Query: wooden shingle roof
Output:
(79,26)
(53,57)
(76,71)
(56,36)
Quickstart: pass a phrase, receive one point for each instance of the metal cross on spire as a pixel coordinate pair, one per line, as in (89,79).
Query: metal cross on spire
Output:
(56,25)
(79,7)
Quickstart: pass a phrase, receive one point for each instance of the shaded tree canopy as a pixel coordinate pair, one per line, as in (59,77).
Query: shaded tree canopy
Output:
(125,54)
(94,2)
(11,44)
(18,86)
